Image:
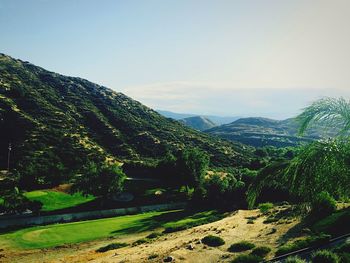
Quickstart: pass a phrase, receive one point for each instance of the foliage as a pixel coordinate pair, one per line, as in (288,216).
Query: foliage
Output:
(261,251)
(222,189)
(265,207)
(320,166)
(192,165)
(323,205)
(325,256)
(241,246)
(294,260)
(332,112)
(105,180)
(213,241)
(111,247)
(334,224)
(247,259)
(54,200)
(303,243)
(13,201)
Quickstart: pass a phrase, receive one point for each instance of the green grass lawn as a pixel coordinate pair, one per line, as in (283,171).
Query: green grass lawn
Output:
(53,200)
(69,233)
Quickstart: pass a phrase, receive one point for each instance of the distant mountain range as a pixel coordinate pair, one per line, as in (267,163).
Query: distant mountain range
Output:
(260,132)
(54,119)
(218,120)
(198,123)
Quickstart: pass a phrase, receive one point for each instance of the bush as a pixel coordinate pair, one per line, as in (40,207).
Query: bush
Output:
(140,241)
(154,235)
(213,241)
(241,246)
(265,207)
(323,205)
(294,260)
(247,259)
(325,256)
(300,244)
(111,247)
(261,251)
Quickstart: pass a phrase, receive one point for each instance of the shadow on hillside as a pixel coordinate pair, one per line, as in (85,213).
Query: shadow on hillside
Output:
(189,217)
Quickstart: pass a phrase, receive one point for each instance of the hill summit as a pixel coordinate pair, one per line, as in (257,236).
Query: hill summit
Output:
(199,123)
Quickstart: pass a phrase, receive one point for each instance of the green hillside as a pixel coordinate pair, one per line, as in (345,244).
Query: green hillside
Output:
(260,132)
(56,123)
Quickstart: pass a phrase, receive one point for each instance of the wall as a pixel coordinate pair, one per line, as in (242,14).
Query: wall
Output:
(26,220)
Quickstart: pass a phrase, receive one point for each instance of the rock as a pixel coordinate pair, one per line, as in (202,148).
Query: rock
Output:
(190,247)
(169,259)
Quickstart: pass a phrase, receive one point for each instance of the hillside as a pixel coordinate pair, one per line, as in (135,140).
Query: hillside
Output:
(198,123)
(56,123)
(260,132)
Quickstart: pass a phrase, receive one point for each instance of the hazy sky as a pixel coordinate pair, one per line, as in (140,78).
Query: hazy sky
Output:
(251,57)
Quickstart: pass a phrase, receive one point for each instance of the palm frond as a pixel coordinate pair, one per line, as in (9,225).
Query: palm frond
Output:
(332,112)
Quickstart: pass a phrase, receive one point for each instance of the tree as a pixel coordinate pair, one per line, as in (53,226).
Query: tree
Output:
(105,180)
(332,112)
(319,166)
(192,165)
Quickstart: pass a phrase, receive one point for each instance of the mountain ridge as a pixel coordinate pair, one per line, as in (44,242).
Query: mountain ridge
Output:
(52,119)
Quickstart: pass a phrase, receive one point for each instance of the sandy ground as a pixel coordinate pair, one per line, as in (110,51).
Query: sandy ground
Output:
(233,228)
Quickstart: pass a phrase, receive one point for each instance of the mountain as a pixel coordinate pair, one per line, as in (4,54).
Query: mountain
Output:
(260,132)
(57,123)
(198,123)
(219,120)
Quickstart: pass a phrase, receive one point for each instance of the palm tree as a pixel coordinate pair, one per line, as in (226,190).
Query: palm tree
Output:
(321,165)
(332,112)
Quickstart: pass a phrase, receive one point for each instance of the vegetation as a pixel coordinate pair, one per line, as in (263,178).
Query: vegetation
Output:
(261,251)
(325,256)
(263,132)
(247,259)
(105,181)
(241,246)
(265,207)
(303,243)
(55,200)
(69,233)
(58,124)
(213,241)
(192,220)
(294,260)
(111,247)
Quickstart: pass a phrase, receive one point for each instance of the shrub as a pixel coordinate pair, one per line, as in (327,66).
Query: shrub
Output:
(324,256)
(247,259)
(265,207)
(261,251)
(111,247)
(300,244)
(153,256)
(213,241)
(345,248)
(154,235)
(241,246)
(140,241)
(294,260)
(323,205)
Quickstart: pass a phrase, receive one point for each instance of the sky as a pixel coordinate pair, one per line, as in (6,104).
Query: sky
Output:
(268,58)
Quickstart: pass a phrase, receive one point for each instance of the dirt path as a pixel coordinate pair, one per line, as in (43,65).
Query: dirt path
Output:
(233,228)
